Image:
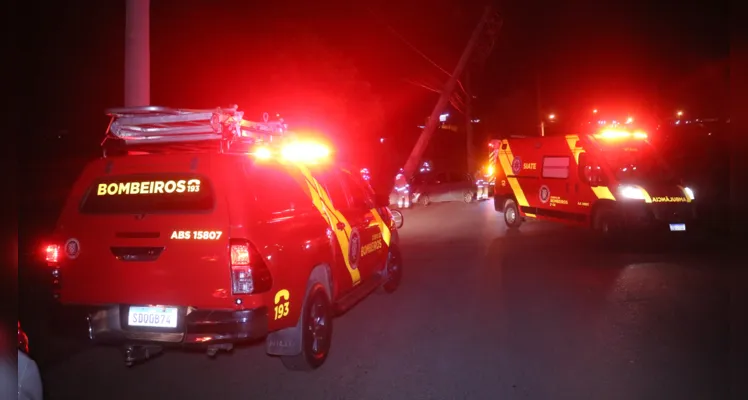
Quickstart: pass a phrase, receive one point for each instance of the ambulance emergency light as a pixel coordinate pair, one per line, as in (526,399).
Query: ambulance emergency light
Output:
(612,134)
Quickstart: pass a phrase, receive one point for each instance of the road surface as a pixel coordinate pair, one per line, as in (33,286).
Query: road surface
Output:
(483,313)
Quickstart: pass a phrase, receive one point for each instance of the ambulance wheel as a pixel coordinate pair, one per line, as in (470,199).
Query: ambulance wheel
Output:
(511,214)
(316,331)
(605,223)
(467,197)
(425,200)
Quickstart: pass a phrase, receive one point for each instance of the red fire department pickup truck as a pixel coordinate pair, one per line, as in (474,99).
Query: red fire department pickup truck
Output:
(201,228)
(611,181)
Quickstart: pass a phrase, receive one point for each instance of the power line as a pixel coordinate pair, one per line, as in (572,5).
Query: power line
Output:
(422,85)
(413,47)
(455,100)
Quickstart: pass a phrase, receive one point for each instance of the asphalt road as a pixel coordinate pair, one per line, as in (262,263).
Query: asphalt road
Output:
(483,313)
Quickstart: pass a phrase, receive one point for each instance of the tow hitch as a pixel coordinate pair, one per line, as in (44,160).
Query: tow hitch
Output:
(213,349)
(138,354)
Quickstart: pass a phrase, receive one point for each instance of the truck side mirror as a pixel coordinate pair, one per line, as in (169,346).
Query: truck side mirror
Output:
(382,200)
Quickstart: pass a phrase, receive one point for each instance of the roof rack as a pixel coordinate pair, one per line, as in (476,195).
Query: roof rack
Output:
(152,125)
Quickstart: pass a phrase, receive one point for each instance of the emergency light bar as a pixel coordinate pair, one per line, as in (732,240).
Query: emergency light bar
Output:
(156,125)
(619,134)
(293,151)
(173,128)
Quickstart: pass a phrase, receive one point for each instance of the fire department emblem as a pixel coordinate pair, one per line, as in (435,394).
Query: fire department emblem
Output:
(544,193)
(516,165)
(354,249)
(72,248)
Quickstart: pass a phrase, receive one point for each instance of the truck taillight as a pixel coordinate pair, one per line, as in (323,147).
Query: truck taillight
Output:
(240,254)
(23,340)
(52,254)
(249,273)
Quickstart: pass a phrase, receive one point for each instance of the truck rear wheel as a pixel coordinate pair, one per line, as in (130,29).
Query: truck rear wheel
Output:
(511,214)
(394,270)
(316,331)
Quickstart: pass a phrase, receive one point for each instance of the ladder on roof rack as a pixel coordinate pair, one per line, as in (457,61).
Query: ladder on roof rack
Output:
(133,126)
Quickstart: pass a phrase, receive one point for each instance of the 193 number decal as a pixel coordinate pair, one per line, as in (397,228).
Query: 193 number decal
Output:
(196,235)
(282,301)
(281,310)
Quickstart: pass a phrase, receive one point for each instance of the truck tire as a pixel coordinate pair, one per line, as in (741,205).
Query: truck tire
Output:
(425,200)
(511,215)
(394,270)
(467,197)
(397,218)
(316,331)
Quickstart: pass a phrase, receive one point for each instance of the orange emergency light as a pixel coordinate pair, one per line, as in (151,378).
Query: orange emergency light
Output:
(301,152)
(612,134)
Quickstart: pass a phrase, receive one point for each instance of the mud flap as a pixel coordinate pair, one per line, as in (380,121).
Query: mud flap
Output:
(288,342)
(285,342)
(498,203)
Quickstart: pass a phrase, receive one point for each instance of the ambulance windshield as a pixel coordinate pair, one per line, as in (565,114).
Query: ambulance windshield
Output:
(637,164)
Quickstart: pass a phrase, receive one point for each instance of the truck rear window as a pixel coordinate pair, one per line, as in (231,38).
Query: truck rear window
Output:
(149,194)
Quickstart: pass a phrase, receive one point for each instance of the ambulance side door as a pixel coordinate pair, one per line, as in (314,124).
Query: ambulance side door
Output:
(592,183)
(556,192)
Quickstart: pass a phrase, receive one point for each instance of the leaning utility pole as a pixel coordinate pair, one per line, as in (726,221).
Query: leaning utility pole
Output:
(415,156)
(137,54)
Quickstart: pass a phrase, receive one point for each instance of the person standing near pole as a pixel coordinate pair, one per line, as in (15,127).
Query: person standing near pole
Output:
(481,185)
(402,189)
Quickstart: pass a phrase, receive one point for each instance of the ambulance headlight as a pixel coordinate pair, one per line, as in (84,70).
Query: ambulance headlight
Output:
(631,192)
(689,193)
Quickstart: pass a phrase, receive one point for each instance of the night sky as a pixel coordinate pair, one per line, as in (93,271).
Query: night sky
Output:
(652,57)
(343,67)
